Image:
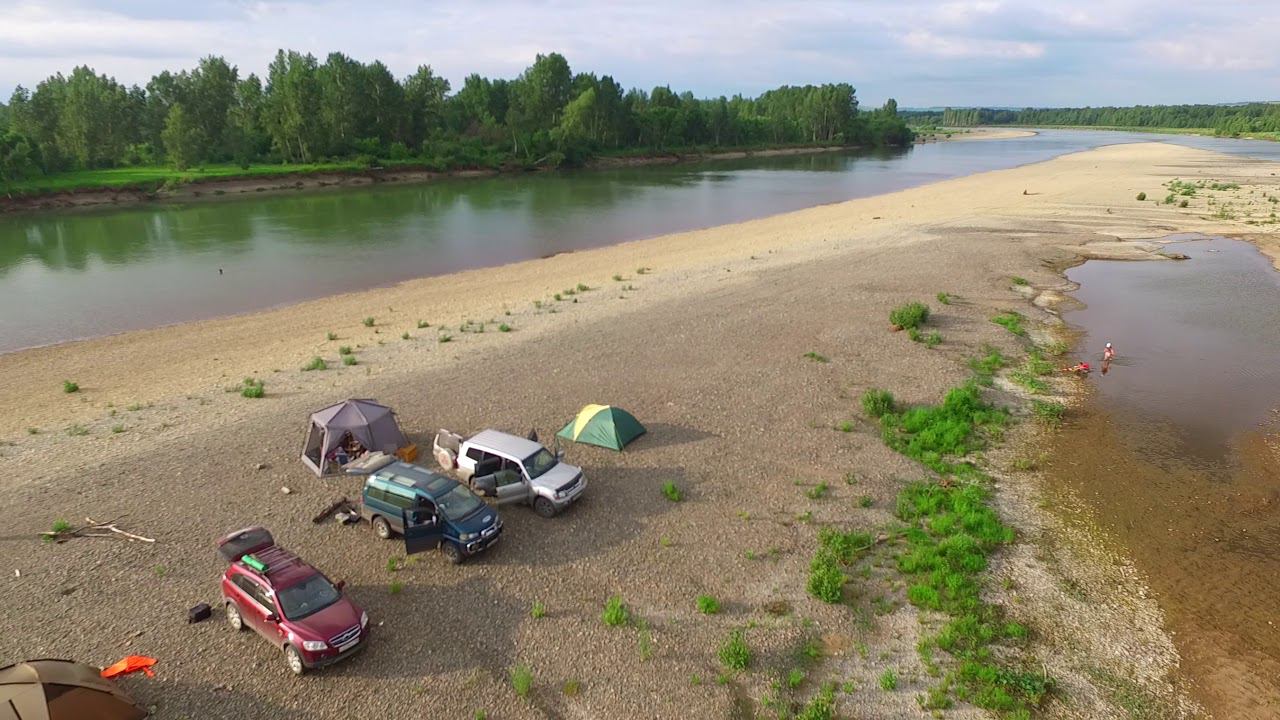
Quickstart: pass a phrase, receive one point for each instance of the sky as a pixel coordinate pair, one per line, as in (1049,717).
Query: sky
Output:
(965,53)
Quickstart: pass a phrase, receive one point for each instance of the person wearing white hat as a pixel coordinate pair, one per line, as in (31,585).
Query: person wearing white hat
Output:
(1108,353)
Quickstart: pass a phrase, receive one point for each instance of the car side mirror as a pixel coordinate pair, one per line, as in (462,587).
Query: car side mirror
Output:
(487,485)
(340,585)
(272,617)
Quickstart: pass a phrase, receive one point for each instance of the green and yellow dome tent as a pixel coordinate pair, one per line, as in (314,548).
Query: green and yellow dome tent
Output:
(604,425)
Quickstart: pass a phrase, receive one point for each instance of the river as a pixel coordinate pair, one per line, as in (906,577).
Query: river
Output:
(1177,453)
(67,276)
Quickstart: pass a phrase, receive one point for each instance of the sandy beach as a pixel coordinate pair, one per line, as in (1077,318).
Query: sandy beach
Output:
(702,335)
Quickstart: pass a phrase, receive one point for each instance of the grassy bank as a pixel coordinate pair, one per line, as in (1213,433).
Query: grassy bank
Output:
(156,177)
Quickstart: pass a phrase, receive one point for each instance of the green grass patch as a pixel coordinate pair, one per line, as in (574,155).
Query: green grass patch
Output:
(817,492)
(615,612)
(671,492)
(1011,321)
(820,707)
(504,328)
(836,550)
(345,350)
(986,366)
(708,605)
(70,387)
(349,360)
(538,611)
(1048,413)
(816,357)
(252,388)
(910,315)
(932,434)
(933,339)
(944,298)
(521,680)
(1018,280)
(735,654)
(1028,381)
(877,403)
(317,363)
(331,336)
(368,322)
(445,337)
(77,430)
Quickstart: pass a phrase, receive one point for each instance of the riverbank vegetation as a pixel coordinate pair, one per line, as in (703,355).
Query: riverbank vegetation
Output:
(1258,120)
(86,130)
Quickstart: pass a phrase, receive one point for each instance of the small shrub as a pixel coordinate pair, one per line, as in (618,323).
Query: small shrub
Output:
(395,587)
(615,613)
(69,387)
(405,335)
(889,680)
(77,430)
(933,339)
(504,328)
(734,653)
(538,610)
(795,678)
(521,680)
(1182,203)
(349,360)
(117,429)
(1029,381)
(944,298)
(643,271)
(331,336)
(986,366)
(816,357)
(571,688)
(708,605)
(446,338)
(423,324)
(317,363)
(617,278)
(865,501)
(1168,199)
(33,431)
(845,426)
(818,491)
(1018,280)
(821,707)
(908,316)
(671,492)
(252,388)
(877,403)
(1141,196)
(826,577)
(61,526)
(914,335)
(368,322)
(556,297)
(345,350)
(583,287)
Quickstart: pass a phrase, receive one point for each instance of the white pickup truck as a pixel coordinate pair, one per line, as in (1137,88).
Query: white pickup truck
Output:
(509,469)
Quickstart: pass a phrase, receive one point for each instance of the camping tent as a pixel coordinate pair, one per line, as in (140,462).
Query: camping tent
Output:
(372,424)
(603,425)
(61,690)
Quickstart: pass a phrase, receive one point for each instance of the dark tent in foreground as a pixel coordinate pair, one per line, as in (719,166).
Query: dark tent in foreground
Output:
(603,425)
(62,690)
(373,425)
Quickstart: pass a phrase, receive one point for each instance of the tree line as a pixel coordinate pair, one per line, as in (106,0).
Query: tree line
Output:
(1227,120)
(306,111)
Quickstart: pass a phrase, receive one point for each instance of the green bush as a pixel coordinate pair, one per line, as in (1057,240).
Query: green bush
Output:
(933,339)
(985,366)
(931,434)
(69,387)
(1049,413)
(944,298)
(821,707)
(252,388)
(708,605)
(877,403)
(538,610)
(349,360)
(1182,203)
(826,577)
(1018,280)
(331,336)
(317,363)
(615,613)
(504,328)
(368,322)
(889,680)
(911,315)
(671,492)
(734,653)
(344,350)
(1142,196)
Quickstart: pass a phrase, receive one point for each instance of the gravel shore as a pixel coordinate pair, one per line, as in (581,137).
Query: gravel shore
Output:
(703,338)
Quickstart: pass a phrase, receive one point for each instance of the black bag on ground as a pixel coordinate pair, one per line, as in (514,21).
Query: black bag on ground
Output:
(199,612)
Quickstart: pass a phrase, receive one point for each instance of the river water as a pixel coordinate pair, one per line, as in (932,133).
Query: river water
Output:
(65,276)
(1177,453)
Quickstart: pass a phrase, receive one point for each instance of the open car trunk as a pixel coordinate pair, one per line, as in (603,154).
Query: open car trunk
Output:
(244,542)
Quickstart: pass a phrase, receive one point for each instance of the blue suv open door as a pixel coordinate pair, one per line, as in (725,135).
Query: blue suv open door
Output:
(422,530)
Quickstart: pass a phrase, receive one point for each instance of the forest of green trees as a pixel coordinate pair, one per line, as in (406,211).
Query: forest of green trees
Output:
(1226,120)
(307,111)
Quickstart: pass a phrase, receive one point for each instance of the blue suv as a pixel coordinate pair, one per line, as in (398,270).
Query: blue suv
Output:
(429,510)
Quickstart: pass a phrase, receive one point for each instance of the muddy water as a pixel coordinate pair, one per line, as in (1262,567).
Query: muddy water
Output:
(1177,452)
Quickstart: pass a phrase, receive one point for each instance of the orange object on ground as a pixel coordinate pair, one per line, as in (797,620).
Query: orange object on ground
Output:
(130,664)
(408,453)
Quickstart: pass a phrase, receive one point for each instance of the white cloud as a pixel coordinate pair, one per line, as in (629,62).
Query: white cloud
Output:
(927,43)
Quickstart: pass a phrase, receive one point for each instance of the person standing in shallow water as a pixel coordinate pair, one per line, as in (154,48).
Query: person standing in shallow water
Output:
(1108,354)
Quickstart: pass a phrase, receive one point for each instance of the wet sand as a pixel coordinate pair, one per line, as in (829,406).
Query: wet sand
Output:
(704,337)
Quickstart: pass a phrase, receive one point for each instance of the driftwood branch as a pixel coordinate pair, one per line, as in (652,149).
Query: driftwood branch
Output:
(93,528)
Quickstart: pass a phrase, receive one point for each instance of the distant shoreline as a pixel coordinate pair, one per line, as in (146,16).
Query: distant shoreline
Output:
(199,189)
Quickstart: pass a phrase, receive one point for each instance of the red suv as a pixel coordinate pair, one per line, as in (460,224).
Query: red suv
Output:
(288,602)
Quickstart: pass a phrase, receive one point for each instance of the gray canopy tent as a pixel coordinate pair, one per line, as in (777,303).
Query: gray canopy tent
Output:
(373,425)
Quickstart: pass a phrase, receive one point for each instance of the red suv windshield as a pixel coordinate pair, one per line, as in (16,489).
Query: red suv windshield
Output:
(307,597)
